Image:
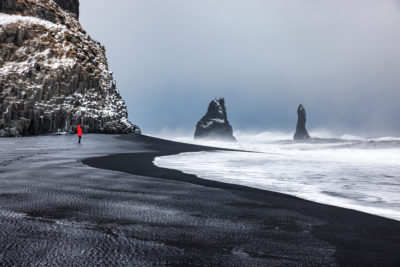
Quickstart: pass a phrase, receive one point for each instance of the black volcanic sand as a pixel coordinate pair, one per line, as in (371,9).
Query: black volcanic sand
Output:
(201,222)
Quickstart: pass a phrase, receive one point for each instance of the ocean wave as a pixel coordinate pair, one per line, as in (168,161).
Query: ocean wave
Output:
(351,178)
(348,171)
(264,141)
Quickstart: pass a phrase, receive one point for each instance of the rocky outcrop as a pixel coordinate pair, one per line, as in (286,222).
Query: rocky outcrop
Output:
(53,75)
(215,124)
(301,131)
(69,5)
(43,9)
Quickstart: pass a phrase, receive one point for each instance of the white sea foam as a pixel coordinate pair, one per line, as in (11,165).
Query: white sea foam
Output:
(346,171)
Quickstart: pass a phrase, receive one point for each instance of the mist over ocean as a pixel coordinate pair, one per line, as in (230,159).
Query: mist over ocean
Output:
(346,171)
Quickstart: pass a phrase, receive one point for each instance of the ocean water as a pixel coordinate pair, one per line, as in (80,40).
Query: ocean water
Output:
(346,171)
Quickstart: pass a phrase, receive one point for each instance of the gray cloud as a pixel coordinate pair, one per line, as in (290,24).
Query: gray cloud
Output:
(170,57)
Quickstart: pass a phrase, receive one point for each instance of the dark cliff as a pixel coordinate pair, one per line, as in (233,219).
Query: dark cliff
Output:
(69,5)
(301,131)
(44,9)
(53,75)
(214,124)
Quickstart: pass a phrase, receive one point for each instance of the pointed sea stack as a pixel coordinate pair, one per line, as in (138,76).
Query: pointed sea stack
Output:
(301,131)
(215,124)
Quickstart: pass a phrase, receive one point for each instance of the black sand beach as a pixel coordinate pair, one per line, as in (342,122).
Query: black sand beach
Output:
(237,225)
(56,211)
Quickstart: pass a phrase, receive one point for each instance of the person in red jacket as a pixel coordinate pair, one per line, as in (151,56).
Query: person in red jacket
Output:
(79,131)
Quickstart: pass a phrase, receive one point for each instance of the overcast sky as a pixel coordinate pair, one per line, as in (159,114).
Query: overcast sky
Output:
(339,58)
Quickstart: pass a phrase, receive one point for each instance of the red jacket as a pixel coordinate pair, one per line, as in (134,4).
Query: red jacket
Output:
(79,130)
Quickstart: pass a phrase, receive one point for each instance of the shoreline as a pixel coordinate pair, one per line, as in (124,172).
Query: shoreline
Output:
(358,238)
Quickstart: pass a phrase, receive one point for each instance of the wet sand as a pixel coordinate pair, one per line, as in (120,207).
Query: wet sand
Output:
(121,210)
(275,228)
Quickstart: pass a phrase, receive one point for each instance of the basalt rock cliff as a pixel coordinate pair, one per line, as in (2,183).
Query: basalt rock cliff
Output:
(53,75)
(301,131)
(69,5)
(214,124)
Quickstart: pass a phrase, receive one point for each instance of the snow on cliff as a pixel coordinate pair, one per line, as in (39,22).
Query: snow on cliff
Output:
(53,75)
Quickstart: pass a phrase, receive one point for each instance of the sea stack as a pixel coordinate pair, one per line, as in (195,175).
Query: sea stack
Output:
(53,75)
(301,131)
(214,124)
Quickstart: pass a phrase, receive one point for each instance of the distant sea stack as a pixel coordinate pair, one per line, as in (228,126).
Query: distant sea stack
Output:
(215,124)
(53,76)
(301,131)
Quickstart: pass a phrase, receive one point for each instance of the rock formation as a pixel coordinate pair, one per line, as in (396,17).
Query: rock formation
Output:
(301,131)
(215,124)
(69,5)
(52,74)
